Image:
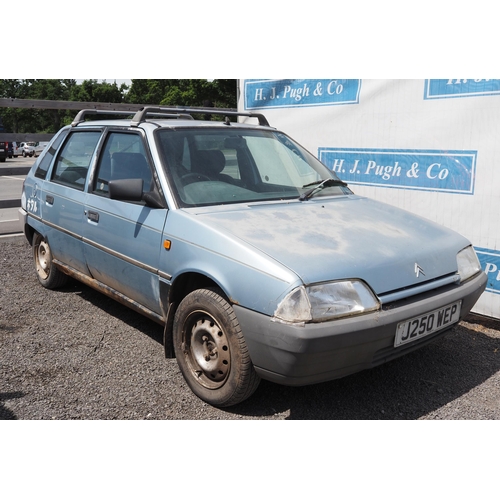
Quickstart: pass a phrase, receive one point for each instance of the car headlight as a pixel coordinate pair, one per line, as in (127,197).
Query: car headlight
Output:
(468,263)
(326,301)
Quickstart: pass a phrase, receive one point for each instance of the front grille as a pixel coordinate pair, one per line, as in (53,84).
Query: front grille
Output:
(421,288)
(417,297)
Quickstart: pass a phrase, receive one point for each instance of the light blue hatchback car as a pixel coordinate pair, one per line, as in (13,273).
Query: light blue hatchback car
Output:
(257,259)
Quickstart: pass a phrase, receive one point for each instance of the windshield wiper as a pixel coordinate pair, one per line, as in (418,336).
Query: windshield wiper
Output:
(318,185)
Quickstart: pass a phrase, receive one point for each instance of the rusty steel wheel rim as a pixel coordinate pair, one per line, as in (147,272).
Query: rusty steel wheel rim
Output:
(43,259)
(206,349)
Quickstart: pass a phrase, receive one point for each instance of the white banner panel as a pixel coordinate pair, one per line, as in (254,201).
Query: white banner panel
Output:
(427,146)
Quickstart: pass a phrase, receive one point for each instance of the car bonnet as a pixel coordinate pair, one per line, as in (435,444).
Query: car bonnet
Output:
(344,238)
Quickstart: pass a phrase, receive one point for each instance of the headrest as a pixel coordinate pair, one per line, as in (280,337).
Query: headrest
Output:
(210,161)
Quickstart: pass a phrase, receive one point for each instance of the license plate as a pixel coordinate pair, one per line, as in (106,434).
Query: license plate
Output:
(421,326)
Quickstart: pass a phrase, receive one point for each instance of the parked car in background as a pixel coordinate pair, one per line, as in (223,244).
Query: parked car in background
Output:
(258,260)
(28,149)
(15,149)
(40,146)
(3,151)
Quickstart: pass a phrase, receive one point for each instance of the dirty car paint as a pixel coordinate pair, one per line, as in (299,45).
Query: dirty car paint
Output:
(344,237)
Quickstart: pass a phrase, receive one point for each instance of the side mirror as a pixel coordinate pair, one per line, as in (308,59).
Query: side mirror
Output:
(126,189)
(132,190)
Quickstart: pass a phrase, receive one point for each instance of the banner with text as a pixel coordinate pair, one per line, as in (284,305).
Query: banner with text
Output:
(443,89)
(450,172)
(428,146)
(490,263)
(299,93)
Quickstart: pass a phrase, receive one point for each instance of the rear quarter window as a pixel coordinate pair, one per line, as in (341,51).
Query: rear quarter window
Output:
(74,159)
(48,155)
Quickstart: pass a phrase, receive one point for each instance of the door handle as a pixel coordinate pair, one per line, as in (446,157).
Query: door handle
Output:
(93,216)
(49,199)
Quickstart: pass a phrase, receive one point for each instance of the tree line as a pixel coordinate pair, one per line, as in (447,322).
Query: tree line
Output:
(192,93)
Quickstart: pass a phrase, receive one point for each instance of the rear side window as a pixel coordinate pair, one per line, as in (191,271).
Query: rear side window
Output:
(74,160)
(48,156)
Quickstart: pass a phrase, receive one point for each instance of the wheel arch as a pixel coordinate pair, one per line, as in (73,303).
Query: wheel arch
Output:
(189,281)
(181,286)
(29,232)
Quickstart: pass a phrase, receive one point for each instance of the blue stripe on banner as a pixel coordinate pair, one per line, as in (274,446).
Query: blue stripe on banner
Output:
(267,94)
(446,88)
(490,263)
(426,170)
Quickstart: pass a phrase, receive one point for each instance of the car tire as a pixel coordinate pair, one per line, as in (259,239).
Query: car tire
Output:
(211,351)
(48,274)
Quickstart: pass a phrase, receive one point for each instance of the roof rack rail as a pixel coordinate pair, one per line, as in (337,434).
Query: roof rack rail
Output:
(140,116)
(80,117)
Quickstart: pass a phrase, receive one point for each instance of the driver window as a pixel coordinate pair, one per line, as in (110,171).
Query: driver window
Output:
(123,157)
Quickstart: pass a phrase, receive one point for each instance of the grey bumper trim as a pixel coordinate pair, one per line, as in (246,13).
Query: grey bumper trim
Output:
(302,355)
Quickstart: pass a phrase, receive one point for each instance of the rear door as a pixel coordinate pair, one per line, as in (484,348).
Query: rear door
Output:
(123,240)
(63,197)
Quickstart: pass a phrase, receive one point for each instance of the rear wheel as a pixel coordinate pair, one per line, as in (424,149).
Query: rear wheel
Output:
(48,274)
(211,351)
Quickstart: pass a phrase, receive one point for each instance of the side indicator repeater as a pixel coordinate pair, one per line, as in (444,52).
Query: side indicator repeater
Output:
(167,244)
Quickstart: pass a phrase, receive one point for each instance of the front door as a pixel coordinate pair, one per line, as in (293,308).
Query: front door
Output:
(123,240)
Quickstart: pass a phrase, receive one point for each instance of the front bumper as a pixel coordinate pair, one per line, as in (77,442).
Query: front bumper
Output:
(317,352)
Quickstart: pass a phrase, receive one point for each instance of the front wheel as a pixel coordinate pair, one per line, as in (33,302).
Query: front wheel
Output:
(211,351)
(48,274)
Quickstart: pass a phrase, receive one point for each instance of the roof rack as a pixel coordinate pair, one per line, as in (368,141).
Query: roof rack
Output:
(80,117)
(176,113)
(140,116)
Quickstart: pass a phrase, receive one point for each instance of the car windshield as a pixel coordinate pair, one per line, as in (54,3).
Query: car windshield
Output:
(212,166)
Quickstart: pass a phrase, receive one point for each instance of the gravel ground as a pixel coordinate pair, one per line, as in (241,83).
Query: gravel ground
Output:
(74,354)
